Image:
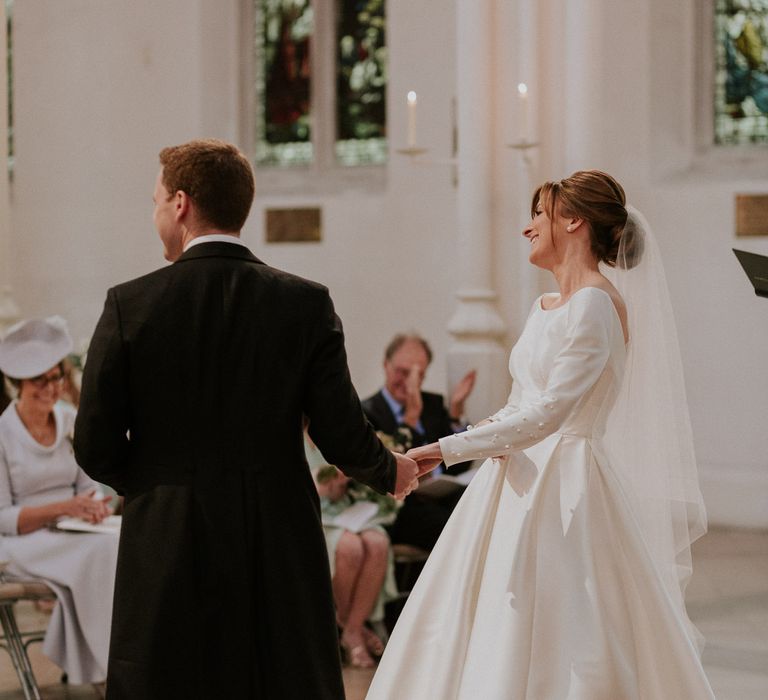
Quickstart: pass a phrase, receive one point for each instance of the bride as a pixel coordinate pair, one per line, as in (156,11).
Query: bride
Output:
(562,571)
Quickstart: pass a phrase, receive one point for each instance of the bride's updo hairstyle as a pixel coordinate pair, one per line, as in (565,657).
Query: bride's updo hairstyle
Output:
(597,198)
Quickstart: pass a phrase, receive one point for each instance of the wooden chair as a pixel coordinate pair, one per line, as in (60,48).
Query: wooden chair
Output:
(13,640)
(409,561)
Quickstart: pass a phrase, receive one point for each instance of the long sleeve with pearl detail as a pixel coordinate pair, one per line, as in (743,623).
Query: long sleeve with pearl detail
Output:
(590,319)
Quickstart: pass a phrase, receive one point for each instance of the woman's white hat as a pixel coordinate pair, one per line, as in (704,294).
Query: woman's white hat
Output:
(30,348)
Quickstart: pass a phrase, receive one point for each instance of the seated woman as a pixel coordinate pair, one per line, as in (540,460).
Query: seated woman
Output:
(361,560)
(5,397)
(41,482)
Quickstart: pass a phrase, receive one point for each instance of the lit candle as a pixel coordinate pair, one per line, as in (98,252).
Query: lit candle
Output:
(522,111)
(411,119)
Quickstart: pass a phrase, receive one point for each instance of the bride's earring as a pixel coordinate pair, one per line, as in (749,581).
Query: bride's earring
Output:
(569,228)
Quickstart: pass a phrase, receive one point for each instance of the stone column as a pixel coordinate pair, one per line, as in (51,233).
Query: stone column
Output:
(583,88)
(476,326)
(9,311)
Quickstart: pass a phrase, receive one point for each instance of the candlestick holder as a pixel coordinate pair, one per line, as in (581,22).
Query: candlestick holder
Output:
(411,151)
(524,146)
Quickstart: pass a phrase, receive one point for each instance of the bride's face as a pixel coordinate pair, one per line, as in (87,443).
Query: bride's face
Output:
(544,234)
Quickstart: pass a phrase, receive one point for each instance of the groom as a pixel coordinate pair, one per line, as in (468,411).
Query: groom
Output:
(198,381)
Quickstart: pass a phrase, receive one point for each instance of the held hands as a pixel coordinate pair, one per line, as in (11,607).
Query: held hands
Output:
(86,507)
(427,457)
(407,476)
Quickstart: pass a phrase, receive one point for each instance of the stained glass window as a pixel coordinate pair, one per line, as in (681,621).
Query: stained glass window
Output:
(361,81)
(338,106)
(283,130)
(741,75)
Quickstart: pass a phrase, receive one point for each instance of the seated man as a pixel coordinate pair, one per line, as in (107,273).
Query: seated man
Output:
(402,407)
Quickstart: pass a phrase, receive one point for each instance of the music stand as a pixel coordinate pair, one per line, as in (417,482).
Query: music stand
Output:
(756,267)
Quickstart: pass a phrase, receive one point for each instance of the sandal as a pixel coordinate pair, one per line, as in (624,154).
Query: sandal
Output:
(356,654)
(373,644)
(358,657)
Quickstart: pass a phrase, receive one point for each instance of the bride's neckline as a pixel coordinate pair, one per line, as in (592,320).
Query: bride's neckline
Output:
(568,300)
(540,306)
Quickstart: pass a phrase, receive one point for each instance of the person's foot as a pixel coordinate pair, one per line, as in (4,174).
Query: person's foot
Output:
(373,644)
(356,651)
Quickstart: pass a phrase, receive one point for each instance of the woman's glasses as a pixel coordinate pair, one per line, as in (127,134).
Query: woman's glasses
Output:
(44,380)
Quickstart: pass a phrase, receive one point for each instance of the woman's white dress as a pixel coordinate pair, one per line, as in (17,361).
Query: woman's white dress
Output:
(79,567)
(541,587)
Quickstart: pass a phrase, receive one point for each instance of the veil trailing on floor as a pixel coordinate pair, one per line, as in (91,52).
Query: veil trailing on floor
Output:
(648,433)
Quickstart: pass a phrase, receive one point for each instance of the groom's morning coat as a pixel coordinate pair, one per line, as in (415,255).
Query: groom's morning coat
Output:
(194,392)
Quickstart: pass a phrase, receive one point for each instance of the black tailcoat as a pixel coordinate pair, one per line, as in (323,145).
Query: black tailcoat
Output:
(196,384)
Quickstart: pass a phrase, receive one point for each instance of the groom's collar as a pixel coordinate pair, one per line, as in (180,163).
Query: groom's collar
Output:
(214,238)
(218,249)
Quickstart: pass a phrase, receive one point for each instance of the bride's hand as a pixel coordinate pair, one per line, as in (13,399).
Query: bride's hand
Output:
(426,456)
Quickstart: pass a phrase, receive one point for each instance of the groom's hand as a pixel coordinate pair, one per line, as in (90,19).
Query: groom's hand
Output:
(407,476)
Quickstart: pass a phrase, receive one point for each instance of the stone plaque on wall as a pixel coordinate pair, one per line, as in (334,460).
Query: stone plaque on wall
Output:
(752,214)
(293,225)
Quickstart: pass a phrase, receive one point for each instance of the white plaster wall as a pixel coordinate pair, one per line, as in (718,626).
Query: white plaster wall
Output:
(102,85)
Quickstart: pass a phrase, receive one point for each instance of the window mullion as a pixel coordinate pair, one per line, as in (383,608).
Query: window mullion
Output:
(323,56)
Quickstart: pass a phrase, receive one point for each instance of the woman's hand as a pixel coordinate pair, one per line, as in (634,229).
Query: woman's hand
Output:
(426,456)
(84,506)
(88,508)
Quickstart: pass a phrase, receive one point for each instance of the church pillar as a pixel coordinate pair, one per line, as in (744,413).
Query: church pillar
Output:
(583,87)
(476,327)
(9,311)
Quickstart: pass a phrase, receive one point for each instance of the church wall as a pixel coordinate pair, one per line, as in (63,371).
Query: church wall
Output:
(387,248)
(101,87)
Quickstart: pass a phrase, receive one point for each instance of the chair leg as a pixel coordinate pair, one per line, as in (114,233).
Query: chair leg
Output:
(18,653)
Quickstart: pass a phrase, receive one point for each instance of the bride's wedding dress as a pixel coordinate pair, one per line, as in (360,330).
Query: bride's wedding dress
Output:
(542,585)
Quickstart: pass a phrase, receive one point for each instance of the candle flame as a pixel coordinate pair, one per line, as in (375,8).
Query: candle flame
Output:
(522,88)
(411,98)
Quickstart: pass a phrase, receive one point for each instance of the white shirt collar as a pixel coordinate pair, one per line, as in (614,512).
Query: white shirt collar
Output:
(215,238)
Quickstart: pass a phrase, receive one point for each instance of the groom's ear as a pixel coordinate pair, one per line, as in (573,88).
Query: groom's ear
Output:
(182,204)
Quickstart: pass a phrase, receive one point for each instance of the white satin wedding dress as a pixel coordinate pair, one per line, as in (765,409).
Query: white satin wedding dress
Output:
(541,586)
